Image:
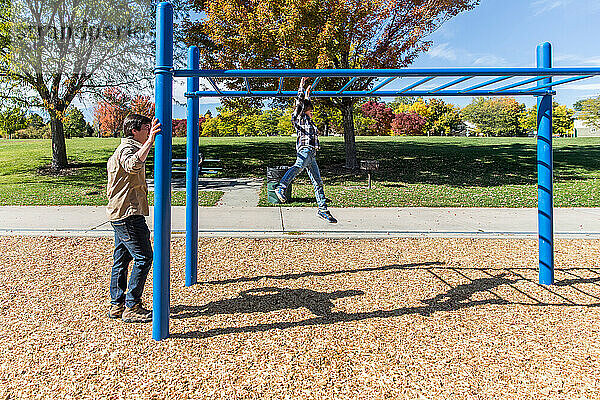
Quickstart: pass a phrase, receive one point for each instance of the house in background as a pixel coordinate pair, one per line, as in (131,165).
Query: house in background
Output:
(582,129)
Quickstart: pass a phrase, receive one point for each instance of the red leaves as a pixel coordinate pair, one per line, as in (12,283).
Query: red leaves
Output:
(408,123)
(115,105)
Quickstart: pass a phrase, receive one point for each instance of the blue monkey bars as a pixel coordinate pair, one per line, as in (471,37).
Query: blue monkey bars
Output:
(525,81)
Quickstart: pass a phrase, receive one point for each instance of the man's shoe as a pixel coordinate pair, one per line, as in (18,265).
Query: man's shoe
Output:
(116,310)
(137,313)
(326,215)
(280,193)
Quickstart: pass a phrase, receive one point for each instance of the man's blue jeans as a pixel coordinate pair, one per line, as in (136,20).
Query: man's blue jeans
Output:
(132,242)
(306,158)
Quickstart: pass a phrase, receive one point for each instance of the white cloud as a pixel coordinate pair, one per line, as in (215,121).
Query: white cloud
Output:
(581,86)
(488,60)
(542,6)
(442,51)
(445,52)
(577,61)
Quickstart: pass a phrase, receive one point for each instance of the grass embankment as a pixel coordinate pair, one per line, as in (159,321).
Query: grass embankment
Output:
(414,171)
(25,179)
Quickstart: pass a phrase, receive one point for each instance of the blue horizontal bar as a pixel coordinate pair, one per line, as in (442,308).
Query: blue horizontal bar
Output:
(414,85)
(364,93)
(350,82)
(525,82)
(562,81)
(384,73)
(454,82)
(487,83)
(382,84)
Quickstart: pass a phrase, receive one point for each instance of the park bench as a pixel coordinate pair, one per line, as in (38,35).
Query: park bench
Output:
(210,169)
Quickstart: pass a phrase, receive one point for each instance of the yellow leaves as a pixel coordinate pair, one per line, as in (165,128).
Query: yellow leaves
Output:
(323,33)
(419,107)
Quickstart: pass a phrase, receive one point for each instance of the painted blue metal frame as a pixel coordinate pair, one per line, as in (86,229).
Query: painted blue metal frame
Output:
(191,185)
(163,92)
(544,164)
(542,76)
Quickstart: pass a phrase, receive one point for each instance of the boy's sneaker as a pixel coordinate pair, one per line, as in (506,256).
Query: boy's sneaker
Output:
(326,215)
(280,193)
(137,313)
(116,310)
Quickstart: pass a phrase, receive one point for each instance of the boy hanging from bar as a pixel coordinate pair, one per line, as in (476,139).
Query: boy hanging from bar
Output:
(307,145)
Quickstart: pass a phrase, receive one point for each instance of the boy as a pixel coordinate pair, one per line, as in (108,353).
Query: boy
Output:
(127,193)
(307,145)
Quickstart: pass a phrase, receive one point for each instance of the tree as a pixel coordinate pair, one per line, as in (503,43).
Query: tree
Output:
(36,128)
(589,111)
(142,105)
(408,123)
(362,123)
(417,107)
(110,112)
(443,118)
(284,125)
(74,123)
(114,105)
(247,125)
(12,120)
(382,116)
(562,119)
(89,131)
(266,123)
(227,122)
(210,128)
(179,127)
(495,116)
(319,34)
(327,119)
(401,104)
(35,121)
(61,48)
(528,120)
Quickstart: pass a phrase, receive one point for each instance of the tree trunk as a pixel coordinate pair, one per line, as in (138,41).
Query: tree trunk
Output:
(350,144)
(59,147)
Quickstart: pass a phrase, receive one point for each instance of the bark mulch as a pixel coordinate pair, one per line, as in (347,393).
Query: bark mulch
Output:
(307,319)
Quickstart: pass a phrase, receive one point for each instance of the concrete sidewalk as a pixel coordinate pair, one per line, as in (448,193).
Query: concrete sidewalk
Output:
(237,192)
(261,222)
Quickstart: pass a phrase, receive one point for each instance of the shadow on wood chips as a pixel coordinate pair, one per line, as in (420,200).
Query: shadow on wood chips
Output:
(268,299)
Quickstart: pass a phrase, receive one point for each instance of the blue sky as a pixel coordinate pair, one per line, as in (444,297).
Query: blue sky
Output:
(506,33)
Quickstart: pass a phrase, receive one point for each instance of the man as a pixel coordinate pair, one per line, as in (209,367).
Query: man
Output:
(127,193)
(307,145)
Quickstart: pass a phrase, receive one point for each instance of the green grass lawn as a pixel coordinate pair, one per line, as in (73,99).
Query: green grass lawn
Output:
(24,179)
(434,171)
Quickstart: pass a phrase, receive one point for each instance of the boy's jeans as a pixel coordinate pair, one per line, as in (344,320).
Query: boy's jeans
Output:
(132,242)
(306,158)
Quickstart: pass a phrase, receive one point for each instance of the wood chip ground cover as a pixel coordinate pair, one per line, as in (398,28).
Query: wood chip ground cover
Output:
(307,319)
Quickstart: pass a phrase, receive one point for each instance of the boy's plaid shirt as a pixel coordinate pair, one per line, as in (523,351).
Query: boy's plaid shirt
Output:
(305,128)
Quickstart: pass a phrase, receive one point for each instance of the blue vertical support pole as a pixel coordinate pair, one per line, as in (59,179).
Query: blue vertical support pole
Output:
(544,165)
(191,175)
(163,92)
